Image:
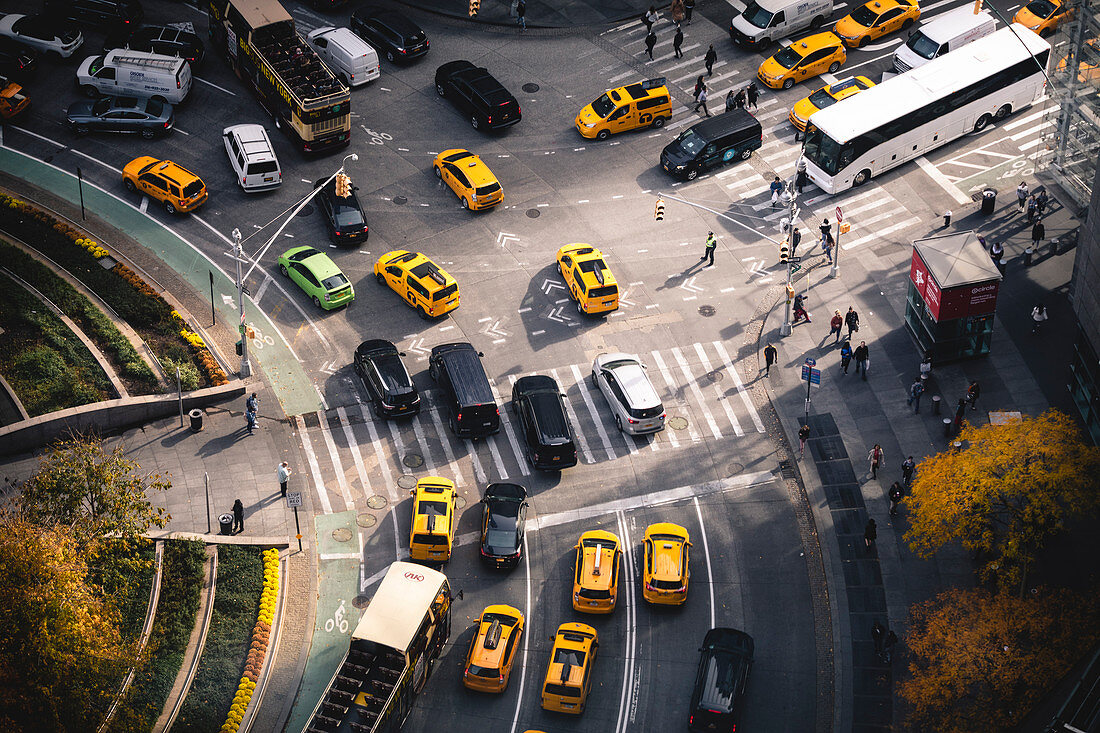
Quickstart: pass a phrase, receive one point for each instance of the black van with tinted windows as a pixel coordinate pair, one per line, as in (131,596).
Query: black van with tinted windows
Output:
(722,139)
(458,371)
(541,408)
(107,14)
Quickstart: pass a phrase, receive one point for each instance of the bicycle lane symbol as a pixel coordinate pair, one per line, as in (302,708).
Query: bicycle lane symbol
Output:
(377,138)
(338,620)
(259,340)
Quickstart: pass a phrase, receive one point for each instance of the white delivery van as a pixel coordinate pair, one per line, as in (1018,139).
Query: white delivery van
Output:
(765,21)
(947,32)
(126,73)
(252,157)
(351,59)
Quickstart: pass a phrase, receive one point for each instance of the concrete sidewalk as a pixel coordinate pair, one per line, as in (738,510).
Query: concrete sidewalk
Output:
(1025,372)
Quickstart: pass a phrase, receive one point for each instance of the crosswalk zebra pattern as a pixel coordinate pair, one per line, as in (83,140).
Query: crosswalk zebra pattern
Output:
(352,455)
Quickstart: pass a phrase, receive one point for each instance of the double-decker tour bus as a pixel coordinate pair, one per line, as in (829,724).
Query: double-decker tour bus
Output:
(261,44)
(401,634)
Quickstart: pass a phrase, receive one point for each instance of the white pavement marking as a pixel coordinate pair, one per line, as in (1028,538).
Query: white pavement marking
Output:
(425,449)
(447,451)
(1024,120)
(944,182)
(506,419)
(667,376)
(576,423)
(314,469)
(740,386)
(387,477)
(718,391)
(530,623)
(334,456)
(693,385)
(679,79)
(399,452)
(495,453)
(211,84)
(1032,130)
(353,446)
(479,472)
(582,387)
(631,627)
(706,554)
(881,233)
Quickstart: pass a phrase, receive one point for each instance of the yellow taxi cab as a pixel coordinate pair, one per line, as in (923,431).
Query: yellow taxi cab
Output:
(826,97)
(433,519)
(876,19)
(666,572)
(11,101)
(493,649)
(596,581)
(177,188)
(569,674)
(588,278)
(803,59)
(1043,16)
(643,104)
(422,283)
(468,176)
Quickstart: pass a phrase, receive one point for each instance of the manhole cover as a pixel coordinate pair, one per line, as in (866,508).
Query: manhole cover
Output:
(341,534)
(376,501)
(361,601)
(413,460)
(735,468)
(460,502)
(706,310)
(400,200)
(530,87)
(366,520)
(677,423)
(716,376)
(406,481)
(533,213)
(306,210)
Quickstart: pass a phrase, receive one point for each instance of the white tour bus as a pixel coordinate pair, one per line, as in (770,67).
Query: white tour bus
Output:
(910,114)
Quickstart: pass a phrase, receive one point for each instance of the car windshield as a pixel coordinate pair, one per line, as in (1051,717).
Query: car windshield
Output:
(455,157)
(691,142)
(498,538)
(101,107)
(305,253)
(1042,8)
(787,58)
(864,15)
(444,293)
(347,214)
(822,99)
(603,106)
(433,508)
(757,16)
(194,188)
(719,682)
(922,45)
(335,282)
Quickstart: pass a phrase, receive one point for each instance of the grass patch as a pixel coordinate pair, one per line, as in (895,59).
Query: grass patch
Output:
(123,569)
(236,606)
(181,583)
(46,364)
(97,325)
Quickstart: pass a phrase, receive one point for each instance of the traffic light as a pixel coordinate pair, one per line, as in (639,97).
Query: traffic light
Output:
(784,252)
(659,210)
(475,5)
(343,185)
(977,6)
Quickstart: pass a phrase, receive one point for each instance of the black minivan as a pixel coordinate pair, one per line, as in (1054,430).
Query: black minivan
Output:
(541,409)
(708,144)
(458,371)
(724,664)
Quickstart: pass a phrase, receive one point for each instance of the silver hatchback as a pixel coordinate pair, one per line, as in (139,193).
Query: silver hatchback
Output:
(625,385)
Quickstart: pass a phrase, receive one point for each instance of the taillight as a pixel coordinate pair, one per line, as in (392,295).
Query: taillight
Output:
(166,124)
(648,586)
(500,679)
(242,180)
(353,77)
(489,119)
(519,111)
(179,84)
(459,417)
(498,412)
(632,421)
(338,232)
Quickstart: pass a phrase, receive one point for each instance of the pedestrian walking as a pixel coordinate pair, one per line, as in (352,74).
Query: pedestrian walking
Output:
(250,417)
(972,393)
(708,252)
(907,468)
(650,18)
(676,10)
(826,231)
(835,324)
(251,407)
(916,389)
(650,42)
(845,356)
(926,366)
(699,84)
(895,497)
(283,474)
(770,357)
(689,8)
(863,359)
(238,517)
(1021,194)
(888,646)
(1041,203)
(752,92)
(800,311)
(521,14)
(701,101)
(803,434)
(1038,315)
(677,41)
(776,188)
(1032,208)
(800,175)
(870,534)
(851,320)
(827,248)
(731,101)
(709,59)
(739,99)
(878,635)
(875,457)
(1038,234)
(960,413)
(795,239)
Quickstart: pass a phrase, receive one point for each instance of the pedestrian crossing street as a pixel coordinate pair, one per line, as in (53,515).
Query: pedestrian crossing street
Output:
(352,455)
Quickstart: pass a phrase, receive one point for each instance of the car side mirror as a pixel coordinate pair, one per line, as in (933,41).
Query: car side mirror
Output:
(736,13)
(480,354)
(551,638)
(412,492)
(400,353)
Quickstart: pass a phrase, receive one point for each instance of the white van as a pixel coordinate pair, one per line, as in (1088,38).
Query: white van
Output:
(252,157)
(764,21)
(123,73)
(351,59)
(946,33)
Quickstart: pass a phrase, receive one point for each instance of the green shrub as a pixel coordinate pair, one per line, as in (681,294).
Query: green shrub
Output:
(124,572)
(189,375)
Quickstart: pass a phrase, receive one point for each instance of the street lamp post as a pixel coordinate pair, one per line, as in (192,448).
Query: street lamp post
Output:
(238,255)
(786,328)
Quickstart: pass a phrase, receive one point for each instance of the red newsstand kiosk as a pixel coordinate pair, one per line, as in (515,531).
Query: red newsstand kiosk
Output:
(953,287)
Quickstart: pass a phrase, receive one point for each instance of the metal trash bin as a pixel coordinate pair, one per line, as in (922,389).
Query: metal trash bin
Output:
(989,200)
(196,420)
(226,522)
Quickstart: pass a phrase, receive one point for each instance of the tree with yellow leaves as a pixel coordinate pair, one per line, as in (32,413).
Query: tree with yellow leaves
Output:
(1001,495)
(981,661)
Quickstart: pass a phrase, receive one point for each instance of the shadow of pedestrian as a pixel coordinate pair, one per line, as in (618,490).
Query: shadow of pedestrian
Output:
(220,443)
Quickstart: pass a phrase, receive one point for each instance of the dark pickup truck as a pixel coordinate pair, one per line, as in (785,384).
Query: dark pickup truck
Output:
(475,92)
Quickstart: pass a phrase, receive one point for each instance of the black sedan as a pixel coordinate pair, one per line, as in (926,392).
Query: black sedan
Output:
(724,664)
(502,524)
(390,33)
(161,39)
(347,224)
(16,60)
(149,117)
(378,363)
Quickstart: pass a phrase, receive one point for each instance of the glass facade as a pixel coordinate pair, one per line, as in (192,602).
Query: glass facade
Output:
(1084,384)
(960,338)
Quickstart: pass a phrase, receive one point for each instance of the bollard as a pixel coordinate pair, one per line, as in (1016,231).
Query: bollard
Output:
(937,403)
(947,423)
(946,218)
(1028,254)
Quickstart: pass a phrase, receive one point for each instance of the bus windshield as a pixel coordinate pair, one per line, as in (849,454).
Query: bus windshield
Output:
(822,150)
(757,16)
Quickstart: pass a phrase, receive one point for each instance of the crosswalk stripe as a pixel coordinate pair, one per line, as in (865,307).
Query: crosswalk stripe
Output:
(425,450)
(693,385)
(693,74)
(314,468)
(882,233)
(383,462)
(494,452)
(667,375)
(697,60)
(334,455)
(447,450)
(479,472)
(576,423)
(353,446)
(718,391)
(399,444)
(582,387)
(672,55)
(506,420)
(745,398)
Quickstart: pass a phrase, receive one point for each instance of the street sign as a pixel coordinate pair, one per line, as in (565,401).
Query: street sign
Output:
(795,269)
(794,259)
(839,214)
(293,498)
(811,375)
(810,361)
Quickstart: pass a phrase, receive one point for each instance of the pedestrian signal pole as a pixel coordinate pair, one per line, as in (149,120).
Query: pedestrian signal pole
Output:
(784,258)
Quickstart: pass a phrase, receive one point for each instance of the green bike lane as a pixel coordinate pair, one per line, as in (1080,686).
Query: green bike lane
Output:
(268,350)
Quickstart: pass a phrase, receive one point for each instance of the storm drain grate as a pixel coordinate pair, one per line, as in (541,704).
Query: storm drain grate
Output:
(707,311)
(366,520)
(376,501)
(786,469)
(533,213)
(400,200)
(530,87)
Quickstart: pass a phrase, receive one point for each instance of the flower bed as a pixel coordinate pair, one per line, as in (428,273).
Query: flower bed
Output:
(261,634)
(123,289)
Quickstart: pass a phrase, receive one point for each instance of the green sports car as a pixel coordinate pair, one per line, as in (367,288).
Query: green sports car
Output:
(316,274)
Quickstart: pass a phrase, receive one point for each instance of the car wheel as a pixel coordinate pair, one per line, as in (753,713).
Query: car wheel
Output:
(619,423)
(439,90)
(746,154)
(863,42)
(422,313)
(433,374)
(658,122)
(1045,33)
(147,133)
(82,129)
(380,278)
(1003,112)
(862,177)
(692,174)
(579,309)
(981,123)
(453,424)
(129,184)
(316,301)
(833,67)
(473,122)
(169,207)
(389,56)
(54,57)
(438,172)
(90,92)
(465,203)
(788,83)
(817,22)
(907,24)
(603,134)
(282,269)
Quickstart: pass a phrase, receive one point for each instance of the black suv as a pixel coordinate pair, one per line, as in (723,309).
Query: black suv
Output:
(347,224)
(378,363)
(161,39)
(724,664)
(98,13)
(475,92)
(541,409)
(391,33)
(502,524)
(457,368)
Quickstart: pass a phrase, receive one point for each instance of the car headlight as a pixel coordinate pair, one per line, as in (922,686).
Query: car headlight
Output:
(679,167)
(589,125)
